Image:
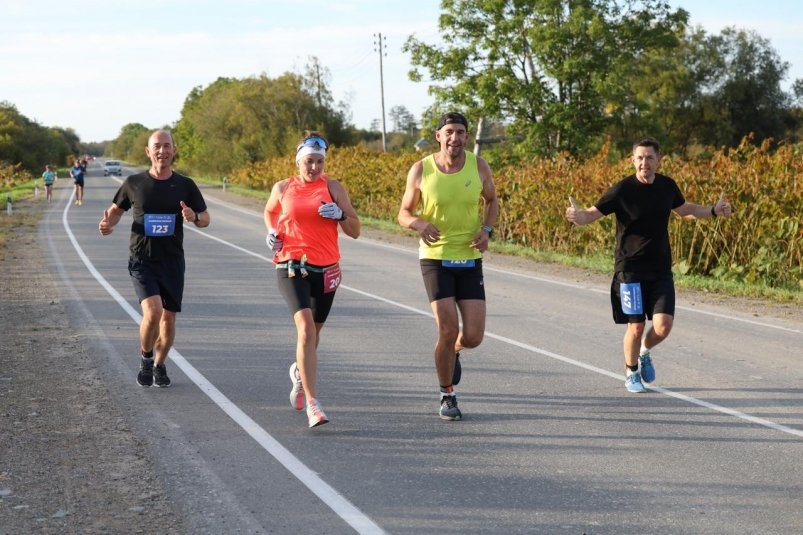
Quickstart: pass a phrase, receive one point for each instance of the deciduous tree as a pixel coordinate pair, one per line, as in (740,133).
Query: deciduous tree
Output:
(550,68)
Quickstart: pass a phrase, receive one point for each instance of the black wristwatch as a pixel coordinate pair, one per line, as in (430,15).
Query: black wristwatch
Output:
(488,229)
(713,211)
(197,217)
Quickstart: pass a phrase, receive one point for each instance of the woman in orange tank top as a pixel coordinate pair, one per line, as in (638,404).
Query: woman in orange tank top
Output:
(302,217)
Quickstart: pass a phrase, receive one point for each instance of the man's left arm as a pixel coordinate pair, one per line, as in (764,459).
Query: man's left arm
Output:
(491,206)
(721,208)
(200,218)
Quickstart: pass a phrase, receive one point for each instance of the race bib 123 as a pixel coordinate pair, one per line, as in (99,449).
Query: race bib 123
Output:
(160,224)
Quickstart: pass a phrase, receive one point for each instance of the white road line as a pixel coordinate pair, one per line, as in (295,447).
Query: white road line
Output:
(718,408)
(531,277)
(327,494)
(601,371)
(544,352)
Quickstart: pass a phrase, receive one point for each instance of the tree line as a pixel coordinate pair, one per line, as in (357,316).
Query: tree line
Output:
(571,75)
(29,145)
(548,76)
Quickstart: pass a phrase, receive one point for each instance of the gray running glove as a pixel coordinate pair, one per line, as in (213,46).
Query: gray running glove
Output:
(273,241)
(331,211)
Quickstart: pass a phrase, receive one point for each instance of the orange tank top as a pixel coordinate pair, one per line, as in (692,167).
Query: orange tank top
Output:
(303,231)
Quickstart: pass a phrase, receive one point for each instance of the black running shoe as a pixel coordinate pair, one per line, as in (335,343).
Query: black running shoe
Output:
(458,370)
(145,375)
(449,410)
(160,377)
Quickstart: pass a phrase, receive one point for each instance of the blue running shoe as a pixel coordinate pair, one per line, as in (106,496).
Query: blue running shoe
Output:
(646,368)
(634,385)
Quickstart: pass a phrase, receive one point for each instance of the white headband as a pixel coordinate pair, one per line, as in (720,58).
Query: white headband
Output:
(305,150)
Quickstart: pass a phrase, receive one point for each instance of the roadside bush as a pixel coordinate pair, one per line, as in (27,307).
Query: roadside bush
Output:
(762,242)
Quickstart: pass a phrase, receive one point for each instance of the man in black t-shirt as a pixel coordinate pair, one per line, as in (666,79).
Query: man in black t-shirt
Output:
(162,201)
(642,286)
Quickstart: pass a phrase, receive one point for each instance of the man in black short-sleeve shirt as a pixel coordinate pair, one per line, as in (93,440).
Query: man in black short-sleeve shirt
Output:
(642,287)
(162,201)
(149,196)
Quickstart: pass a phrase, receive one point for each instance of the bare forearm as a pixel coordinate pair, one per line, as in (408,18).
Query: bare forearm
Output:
(491,212)
(408,220)
(203,220)
(351,225)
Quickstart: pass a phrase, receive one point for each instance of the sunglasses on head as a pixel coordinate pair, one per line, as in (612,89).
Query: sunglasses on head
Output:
(314,142)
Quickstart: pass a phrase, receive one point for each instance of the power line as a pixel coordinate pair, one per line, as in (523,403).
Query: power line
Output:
(381,46)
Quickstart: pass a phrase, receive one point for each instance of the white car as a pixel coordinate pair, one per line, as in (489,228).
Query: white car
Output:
(112,167)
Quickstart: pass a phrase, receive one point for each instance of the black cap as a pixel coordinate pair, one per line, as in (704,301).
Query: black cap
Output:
(452,118)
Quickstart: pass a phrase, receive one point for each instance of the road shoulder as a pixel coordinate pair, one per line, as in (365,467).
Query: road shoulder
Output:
(71,462)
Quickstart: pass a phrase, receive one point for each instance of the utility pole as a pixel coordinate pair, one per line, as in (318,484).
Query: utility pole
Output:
(381,46)
(318,80)
(478,138)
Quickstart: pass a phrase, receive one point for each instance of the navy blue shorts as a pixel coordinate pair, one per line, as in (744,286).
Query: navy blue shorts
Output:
(461,283)
(159,277)
(658,296)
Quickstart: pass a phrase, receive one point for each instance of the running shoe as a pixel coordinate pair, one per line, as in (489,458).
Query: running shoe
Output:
(449,410)
(145,375)
(297,393)
(646,368)
(458,370)
(315,414)
(160,377)
(80,203)
(633,383)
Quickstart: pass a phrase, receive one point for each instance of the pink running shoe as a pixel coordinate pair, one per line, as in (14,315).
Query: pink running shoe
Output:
(297,393)
(315,414)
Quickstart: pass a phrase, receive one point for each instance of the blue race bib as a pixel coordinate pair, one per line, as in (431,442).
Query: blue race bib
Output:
(458,263)
(630,296)
(160,224)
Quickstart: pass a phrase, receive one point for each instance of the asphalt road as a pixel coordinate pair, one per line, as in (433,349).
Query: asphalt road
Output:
(550,442)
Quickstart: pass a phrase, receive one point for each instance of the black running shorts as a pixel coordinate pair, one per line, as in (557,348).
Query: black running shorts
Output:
(305,292)
(658,296)
(159,277)
(461,283)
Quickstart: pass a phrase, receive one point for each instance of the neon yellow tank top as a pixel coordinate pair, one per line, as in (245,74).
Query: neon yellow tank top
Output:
(451,203)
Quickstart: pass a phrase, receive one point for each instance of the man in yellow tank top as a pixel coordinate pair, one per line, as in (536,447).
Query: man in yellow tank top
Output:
(442,204)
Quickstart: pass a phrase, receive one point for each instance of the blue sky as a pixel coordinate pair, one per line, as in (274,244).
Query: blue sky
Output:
(96,65)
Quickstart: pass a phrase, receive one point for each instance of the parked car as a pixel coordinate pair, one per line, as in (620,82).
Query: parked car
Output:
(112,167)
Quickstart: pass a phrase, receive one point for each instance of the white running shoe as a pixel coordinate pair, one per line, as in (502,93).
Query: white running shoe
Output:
(297,393)
(315,414)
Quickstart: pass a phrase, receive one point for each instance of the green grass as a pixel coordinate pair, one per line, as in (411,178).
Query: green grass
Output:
(22,191)
(233,188)
(603,264)
(22,215)
(724,287)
